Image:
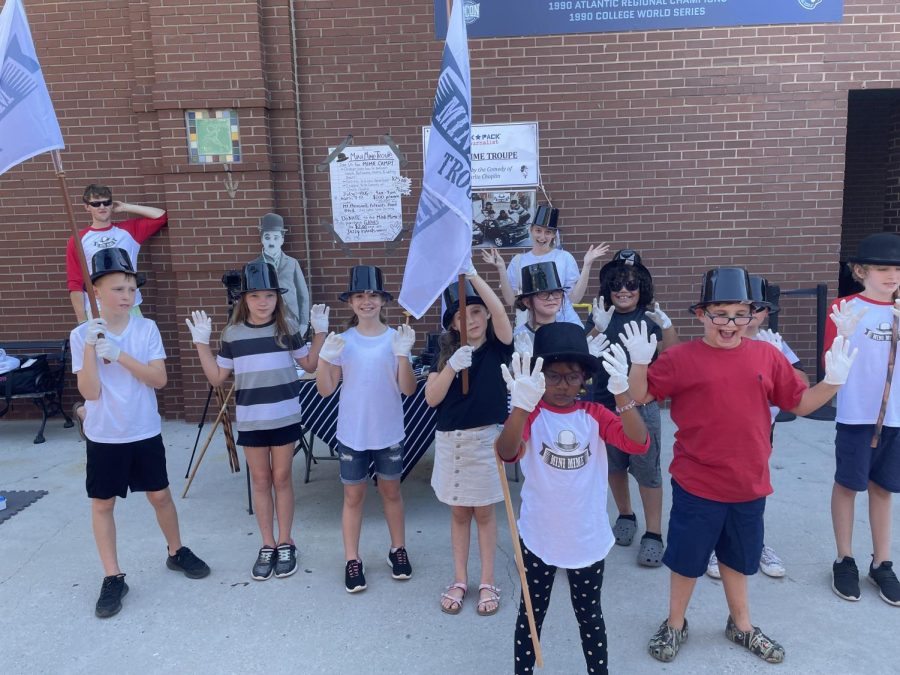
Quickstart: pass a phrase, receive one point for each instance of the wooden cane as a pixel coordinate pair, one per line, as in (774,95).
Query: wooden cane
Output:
(233,462)
(895,329)
(520,563)
(208,441)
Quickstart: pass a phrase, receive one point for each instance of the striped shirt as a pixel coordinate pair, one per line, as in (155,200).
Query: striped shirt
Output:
(265,377)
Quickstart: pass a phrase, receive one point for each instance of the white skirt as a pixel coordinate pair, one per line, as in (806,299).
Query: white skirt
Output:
(465,471)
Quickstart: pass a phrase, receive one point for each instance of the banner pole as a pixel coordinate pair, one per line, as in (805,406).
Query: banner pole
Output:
(463,332)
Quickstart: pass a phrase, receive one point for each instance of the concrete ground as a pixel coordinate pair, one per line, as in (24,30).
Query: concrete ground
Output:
(50,577)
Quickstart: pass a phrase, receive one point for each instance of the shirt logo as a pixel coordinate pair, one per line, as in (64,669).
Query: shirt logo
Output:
(809,4)
(565,452)
(880,334)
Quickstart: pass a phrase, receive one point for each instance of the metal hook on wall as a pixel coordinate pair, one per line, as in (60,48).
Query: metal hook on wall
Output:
(231,185)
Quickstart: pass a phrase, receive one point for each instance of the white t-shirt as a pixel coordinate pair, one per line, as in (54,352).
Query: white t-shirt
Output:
(370,412)
(563,516)
(567,269)
(126,410)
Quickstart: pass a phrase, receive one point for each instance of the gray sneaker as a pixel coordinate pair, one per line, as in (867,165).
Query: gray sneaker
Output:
(264,565)
(665,644)
(756,642)
(286,564)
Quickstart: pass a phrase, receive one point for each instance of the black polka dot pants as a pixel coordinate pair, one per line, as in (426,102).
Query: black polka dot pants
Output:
(584,589)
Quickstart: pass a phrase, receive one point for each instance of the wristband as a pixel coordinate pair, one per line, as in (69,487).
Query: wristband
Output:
(625,408)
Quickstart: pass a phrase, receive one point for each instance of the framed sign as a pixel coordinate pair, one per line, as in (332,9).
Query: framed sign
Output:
(502,218)
(503,155)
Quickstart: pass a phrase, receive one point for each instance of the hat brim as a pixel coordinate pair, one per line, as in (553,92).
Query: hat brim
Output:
(454,308)
(345,296)
(873,261)
(279,290)
(591,364)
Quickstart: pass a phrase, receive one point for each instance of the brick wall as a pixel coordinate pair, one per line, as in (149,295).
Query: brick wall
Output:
(698,147)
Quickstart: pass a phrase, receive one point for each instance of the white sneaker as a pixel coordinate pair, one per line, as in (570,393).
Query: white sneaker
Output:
(712,569)
(770,564)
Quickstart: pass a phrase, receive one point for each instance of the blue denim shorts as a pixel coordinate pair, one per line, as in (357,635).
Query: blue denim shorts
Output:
(857,462)
(388,463)
(698,526)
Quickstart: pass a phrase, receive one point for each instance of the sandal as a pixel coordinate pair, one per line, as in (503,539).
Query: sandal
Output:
(493,596)
(651,552)
(456,604)
(624,530)
(79,423)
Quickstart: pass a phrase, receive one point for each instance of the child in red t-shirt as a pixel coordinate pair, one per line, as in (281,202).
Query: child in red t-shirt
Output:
(720,387)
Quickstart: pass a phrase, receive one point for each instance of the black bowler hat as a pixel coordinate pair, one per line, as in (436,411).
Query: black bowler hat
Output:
(564,341)
(726,285)
(762,295)
(451,301)
(260,276)
(878,249)
(536,278)
(109,260)
(365,278)
(624,258)
(546,216)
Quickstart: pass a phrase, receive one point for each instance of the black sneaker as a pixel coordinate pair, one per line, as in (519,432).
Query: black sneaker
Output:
(399,562)
(264,565)
(845,579)
(883,576)
(354,577)
(185,561)
(112,591)
(286,564)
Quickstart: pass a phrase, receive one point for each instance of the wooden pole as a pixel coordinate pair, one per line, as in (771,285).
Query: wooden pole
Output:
(520,564)
(892,357)
(208,441)
(463,331)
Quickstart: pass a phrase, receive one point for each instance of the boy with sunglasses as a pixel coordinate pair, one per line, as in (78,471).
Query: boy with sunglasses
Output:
(102,234)
(721,386)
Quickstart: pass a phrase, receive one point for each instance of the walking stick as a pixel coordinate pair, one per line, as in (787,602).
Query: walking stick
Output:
(208,440)
(233,462)
(199,431)
(520,564)
(895,325)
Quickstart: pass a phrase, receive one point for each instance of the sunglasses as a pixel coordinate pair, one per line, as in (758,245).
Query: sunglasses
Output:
(104,202)
(629,285)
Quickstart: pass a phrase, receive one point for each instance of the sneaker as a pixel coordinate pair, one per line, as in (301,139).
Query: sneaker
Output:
(264,565)
(185,561)
(712,567)
(355,576)
(770,564)
(665,644)
(112,591)
(756,642)
(399,562)
(845,579)
(286,564)
(883,577)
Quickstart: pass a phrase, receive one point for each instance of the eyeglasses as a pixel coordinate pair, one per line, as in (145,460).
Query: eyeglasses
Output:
(549,295)
(571,379)
(719,320)
(630,285)
(104,202)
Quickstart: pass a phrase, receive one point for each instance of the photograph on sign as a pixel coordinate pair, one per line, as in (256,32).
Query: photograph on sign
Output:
(366,187)
(503,155)
(502,218)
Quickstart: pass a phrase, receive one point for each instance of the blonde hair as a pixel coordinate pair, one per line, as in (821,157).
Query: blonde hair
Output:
(242,313)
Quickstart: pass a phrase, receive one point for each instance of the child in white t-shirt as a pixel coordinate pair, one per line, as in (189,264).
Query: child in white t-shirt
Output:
(560,444)
(374,361)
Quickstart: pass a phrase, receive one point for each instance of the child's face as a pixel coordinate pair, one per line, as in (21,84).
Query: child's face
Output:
(101,213)
(366,305)
(542,236)
(880,281)
(261,305)
(563,382)
(544,305)
(729,334)
(115,292)
(759,319)
(477,318)
(625,293)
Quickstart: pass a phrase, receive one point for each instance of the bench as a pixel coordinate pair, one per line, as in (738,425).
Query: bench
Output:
(43,386)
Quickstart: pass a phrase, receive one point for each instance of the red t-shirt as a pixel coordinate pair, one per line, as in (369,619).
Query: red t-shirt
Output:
(720,406)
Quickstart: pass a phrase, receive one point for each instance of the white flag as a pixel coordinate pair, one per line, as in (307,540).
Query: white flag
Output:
(441,242)
(28,124)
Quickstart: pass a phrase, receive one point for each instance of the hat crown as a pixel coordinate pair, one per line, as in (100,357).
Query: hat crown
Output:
(725,284)
(271,222)
(450,297)
(878,249)
(259,276)
(109,260)
(366,278)
(546,216)
(538,277)
(759,289)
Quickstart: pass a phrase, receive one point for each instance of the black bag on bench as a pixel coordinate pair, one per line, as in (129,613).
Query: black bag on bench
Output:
(32,379)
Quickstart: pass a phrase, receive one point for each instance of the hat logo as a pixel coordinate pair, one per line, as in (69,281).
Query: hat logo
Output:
(562,456)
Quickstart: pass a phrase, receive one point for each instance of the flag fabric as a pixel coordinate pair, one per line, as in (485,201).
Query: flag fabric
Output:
(28,124)
(441,243)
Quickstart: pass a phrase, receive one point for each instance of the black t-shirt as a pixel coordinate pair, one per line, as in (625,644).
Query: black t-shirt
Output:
(598,391)
(486,402)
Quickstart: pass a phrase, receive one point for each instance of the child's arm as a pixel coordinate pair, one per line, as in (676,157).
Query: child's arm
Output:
(86,376)
(593,252)
(319,321)
(328,373)
(615,362)
(526,390)
(838,361)
(438,384)
(201,330)
(661,319)
(493,257)
(641,349)
(402,344)
(153,374)
(509,443)
(499,318)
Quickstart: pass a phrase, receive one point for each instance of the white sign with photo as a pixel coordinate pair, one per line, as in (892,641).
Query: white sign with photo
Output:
(503,155)
(502,219)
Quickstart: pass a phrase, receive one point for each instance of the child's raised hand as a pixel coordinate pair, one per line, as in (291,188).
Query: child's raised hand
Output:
(838,361)
(641,348)
(770,336)
(595,252)
(461,358)
(403,341)
(524,342)
(597,344)
(492,257)
(659,317)
(846,318)
(95,327)
(201,328)
(615,362)
(107,350)
(601,317)
(525,389)
(331,348)
(318,317)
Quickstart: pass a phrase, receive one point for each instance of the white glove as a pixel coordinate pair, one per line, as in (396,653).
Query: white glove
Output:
(525,389)
(107,350)
(641,349)
(597,344)
(846,318)
(615,362)
(771,337)
(318,317)
(524,342)
(461,358)
(94,328)
(600,316)
(470,272)
(838,360)
(403,340)
(201,328)
(331,348)
(659,317)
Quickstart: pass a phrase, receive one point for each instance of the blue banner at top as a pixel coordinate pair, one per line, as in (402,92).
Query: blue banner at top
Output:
(496,18)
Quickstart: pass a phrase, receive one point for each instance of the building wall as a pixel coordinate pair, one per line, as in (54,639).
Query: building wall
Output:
(697,147)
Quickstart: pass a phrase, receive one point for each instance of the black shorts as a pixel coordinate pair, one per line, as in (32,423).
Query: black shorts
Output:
(270,438)
(114,468)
